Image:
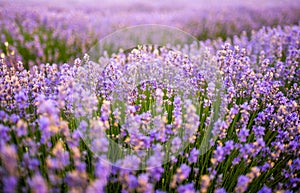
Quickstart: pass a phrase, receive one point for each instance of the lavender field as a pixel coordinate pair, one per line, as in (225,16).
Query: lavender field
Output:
(150,96)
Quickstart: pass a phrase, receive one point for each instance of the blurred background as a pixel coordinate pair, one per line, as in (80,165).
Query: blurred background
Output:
(59,31)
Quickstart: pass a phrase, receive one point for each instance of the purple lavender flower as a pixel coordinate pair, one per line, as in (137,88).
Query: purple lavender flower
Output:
(14,118)
(31,163)
(220,190)
(61,157)
(96,186)
(229,146)
(219,154)
(259,131)
(143,183)
(22,99)
(38,184)
(132,182)
(243,134)
(187,188)
(10,184)
(21,128)
(4,131)
(176,144)
(265,189)
(193,157)
(242,183)
(8,155)
(102,170)
(77,181)
(181,174)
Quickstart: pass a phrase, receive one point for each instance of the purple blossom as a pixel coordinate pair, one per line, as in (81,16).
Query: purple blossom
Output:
(61,157)
(22,99)
(187,188)
(8,155)
(143,183)
(132,182)
(102,170)
(159,191)
(242,183)
(31,163)
(259,131)
(14,118)
(21,128)
(243,134)
(265,189)
(193,155)
(176,144)
(295,164)
(10,184)
(219,154)
(220,190)
(76,180)
(229,146)
(38,184)
(4,131)
(182,172)
(96,186)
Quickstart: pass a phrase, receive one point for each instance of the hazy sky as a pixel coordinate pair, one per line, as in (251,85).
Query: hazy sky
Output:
(200,3)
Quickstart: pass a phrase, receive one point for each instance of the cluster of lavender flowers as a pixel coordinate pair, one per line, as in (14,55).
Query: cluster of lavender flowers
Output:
(51,32)
(45,112)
